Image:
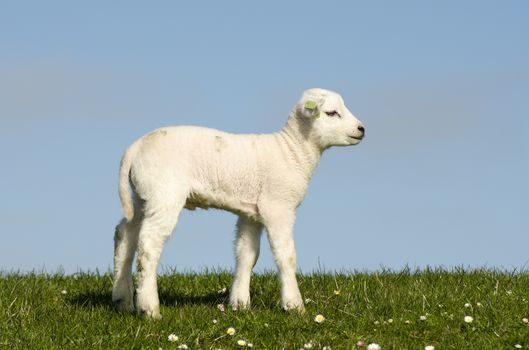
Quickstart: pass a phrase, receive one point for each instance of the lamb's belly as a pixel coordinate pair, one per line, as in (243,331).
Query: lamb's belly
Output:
(221,201)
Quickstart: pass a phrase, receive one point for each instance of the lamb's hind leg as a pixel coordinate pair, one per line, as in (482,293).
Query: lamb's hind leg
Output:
(125,245)
(247,245)
(160,219)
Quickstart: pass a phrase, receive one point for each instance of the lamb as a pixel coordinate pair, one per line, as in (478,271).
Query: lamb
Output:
(262,178)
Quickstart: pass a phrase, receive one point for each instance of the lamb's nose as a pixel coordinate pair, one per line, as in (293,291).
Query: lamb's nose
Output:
(361,129)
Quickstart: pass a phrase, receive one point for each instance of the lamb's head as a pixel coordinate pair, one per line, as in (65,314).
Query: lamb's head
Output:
(322,117)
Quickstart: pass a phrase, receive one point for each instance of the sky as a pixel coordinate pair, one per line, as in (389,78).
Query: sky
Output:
(442,87)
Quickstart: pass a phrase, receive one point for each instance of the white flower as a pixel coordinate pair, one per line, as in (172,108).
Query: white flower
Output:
(63,292)
(376,323)
(429,347)
(241,342)
(518,346)
(172,337)
(182,346)
(222,291)
(525,320)
(230,331)
(407,321)
(221,307)
(373,346)
(326,347)
(468,305)
(308,345)
(308,300)
(422,318)
(468,319)
(390,320)
(319,318)
(215,321)
(250,345)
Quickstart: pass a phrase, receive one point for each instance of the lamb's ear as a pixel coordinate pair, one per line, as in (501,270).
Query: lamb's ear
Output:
(309,109)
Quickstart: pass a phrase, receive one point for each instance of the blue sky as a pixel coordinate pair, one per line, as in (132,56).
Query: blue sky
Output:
(442,88)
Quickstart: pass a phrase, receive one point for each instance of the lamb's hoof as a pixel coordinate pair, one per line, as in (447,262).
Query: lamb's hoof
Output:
(293,306)
(151,314)
(240,305)
(123,305)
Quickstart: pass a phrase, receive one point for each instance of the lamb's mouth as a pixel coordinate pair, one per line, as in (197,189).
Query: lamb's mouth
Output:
(356,138)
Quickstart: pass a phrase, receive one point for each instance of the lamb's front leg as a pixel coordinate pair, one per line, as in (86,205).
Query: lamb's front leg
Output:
(279,223)
(247,245)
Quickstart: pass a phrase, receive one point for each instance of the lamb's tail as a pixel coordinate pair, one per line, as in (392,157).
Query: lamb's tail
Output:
(125,196)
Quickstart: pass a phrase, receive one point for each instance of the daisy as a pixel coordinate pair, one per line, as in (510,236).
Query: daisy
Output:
(518,346)
(182,346)
(319,318)
(230,331)
(525,320)
(250,345)
(468,319)
(373,346)
(468,305)
(172,337)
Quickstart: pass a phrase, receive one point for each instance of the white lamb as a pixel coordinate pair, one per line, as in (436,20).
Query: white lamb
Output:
(261,178)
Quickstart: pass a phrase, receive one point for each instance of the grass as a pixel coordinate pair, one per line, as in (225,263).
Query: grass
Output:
(43,311)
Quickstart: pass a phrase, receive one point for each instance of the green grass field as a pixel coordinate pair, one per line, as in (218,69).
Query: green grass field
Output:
(397,310)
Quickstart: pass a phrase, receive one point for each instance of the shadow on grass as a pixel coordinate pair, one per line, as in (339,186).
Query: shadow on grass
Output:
(211,299)
(93,299)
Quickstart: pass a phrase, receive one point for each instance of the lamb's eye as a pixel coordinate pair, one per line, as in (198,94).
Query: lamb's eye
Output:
(333,114)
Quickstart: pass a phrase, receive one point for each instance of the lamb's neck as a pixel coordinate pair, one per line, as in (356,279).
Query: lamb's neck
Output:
(301,150)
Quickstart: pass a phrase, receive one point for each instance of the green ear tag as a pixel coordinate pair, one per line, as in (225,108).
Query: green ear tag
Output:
(311,106)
